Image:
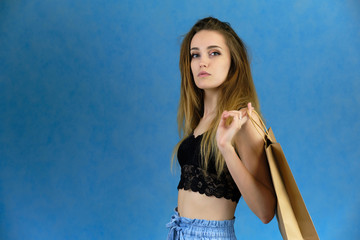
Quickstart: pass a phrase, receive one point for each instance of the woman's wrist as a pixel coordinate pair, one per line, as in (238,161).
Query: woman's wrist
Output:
(226,148)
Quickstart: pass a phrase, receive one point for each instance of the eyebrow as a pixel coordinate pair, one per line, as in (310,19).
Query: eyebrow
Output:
(209,47)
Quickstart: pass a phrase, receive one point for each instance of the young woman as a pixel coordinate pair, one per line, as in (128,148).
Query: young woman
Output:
(221,154)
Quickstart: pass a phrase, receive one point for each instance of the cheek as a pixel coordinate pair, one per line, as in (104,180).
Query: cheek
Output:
(225,68)
(192,66)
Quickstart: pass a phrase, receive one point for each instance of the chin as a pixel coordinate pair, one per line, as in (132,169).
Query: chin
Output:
(207,85)
(204,85)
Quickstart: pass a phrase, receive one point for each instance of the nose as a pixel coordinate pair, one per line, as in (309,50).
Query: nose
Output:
(204,62)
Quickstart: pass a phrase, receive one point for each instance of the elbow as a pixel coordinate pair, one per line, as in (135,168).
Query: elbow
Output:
(269,212)
(267,219)
(268,215)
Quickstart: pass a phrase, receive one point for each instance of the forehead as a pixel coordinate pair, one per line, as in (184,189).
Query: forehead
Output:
(205,38)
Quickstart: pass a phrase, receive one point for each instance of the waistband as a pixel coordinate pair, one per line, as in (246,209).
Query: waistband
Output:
(181,226)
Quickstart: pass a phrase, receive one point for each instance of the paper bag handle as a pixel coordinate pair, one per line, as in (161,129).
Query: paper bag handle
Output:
(258,126)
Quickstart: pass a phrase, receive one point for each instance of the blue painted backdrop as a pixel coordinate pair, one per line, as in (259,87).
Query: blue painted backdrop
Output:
(88,101)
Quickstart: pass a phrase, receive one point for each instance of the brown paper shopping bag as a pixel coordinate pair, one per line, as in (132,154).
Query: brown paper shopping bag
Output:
(293,218)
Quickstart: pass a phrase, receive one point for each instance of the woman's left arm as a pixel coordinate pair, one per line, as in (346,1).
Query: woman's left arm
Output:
(249,169)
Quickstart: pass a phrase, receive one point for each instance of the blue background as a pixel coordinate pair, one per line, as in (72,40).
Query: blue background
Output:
(88,101)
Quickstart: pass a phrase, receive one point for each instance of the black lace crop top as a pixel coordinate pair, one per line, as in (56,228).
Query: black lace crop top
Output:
(192,175)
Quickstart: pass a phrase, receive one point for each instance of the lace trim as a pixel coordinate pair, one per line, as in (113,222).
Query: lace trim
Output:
(193,178)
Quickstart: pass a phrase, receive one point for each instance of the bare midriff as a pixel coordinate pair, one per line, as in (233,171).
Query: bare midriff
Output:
(199,206)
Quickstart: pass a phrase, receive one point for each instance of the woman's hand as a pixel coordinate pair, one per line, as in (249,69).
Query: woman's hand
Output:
(226,131)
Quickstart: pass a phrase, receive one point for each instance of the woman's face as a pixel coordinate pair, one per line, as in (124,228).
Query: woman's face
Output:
(210,59)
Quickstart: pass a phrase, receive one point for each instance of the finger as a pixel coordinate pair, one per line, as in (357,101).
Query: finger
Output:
(239,118)
(225,115)
(227,119)
(242,113)
(236,114)
(239,112)
(222,123)
(250,107)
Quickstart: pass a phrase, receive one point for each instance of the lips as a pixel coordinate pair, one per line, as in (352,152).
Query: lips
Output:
(203,74)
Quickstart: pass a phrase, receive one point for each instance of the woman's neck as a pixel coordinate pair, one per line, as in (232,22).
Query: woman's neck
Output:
(210,102)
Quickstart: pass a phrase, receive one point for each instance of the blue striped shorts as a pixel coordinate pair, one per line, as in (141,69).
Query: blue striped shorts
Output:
(181,228)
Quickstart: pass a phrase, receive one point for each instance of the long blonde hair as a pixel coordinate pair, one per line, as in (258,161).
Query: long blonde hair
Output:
(237,90)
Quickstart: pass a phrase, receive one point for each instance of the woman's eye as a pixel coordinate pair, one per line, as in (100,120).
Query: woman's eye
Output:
(214,53)
(194,55)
